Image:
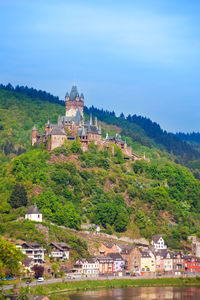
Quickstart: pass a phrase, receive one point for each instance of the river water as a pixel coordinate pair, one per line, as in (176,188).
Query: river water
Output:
(143,293)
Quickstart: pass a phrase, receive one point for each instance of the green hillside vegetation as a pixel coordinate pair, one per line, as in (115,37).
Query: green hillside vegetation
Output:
(21,107)
(18,113)
(125,197)
(71,187)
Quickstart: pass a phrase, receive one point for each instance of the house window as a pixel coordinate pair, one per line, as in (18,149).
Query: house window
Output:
(38,216)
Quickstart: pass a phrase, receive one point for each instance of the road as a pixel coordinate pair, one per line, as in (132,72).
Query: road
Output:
(55,280)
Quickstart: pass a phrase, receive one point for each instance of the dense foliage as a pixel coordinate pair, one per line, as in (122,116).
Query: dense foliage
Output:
(99,186)
(10,259)
(21,107)
(18,197)
(140,197)
(192,138)
(148,133)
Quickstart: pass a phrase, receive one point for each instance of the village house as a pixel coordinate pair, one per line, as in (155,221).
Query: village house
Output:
(132,257)
(34,251)
(159,261)
(33,213)
(158,242)
(118,262)
(147,262)
(107,248)
(59,250)
(192,264)
(178,263)
(87,266)
(168,261)
(106,265)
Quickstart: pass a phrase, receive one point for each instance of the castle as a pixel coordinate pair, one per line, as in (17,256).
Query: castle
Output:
(73,124)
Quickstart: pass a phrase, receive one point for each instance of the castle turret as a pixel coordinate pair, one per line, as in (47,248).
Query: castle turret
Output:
(34,135)
(48,127)
(74,102)
(90,119)
(95,122)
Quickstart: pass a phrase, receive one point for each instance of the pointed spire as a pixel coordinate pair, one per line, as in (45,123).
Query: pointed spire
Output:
(107,137)
(90,119)
(95,121)
(67,95)
(48,121)
(74,93)
(83,133)
(81,95)
(34,128)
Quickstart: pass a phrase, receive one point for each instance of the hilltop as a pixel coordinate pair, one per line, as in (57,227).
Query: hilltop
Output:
(22,107)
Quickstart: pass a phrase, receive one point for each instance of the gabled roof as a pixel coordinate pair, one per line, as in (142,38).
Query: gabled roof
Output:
(145,254)
(115,256)
(127,249)
(32,245)
(155,238)
(108,245)
(92,129)
(57,131)
(77,118)
(88,260)
(33,210)
(60,246)
(167,253)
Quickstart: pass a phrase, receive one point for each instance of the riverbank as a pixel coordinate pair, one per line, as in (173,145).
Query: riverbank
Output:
(74,286)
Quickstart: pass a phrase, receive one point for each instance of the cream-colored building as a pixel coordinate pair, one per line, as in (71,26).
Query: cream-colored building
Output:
(168,262)
(147,262)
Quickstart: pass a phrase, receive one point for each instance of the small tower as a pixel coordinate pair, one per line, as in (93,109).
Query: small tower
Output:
(48,127)
(73,101)
(34,135)
(91,119)
(95,122)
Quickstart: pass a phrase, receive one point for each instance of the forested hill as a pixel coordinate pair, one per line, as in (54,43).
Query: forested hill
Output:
(21,107)
(136,199)
(192,138)
(163,139)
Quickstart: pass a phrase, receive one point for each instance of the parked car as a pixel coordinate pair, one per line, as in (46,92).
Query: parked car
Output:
(40,279)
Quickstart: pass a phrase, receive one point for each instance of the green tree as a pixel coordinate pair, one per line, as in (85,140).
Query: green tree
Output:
(121,222)
(18,197)
(10,258)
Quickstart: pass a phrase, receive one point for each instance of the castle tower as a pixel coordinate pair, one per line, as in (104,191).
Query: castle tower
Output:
(34,135)
(73,102)
(48,127)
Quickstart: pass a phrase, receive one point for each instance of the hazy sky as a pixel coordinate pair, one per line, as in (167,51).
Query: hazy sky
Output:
(139,57)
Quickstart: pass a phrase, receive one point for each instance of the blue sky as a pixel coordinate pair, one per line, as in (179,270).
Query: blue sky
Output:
(138,57)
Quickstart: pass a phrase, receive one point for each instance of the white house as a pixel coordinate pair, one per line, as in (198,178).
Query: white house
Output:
(158,242)
(33,213)
(87,266)
(59,250)
(34,251)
